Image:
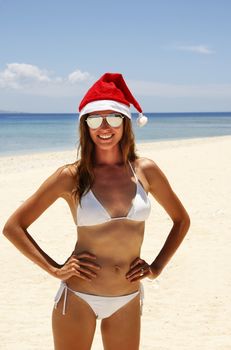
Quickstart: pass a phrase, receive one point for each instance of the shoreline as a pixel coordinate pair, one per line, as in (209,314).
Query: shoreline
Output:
(142,144)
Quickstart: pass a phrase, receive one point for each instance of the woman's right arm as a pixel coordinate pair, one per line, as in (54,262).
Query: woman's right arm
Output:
(59,184)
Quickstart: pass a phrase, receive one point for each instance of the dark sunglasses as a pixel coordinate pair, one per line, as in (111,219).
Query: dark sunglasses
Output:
(95,120)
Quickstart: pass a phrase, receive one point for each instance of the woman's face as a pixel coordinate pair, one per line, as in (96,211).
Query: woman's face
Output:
(105,136)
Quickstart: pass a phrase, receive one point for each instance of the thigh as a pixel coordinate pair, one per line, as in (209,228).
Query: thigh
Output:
(122,329)
(74,330)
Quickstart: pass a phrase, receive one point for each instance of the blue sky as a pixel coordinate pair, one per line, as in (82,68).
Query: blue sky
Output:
(174,55)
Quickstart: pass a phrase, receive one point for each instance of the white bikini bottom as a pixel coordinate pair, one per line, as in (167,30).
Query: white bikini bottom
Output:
(102,306)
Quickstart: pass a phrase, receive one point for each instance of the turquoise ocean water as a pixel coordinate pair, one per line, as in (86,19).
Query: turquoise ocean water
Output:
(31,133)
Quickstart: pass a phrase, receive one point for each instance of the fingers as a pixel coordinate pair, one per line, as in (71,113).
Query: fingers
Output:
(79,267)
(139,269)
(136,262)
(137,274)
(85,262)
(69,270)
(84,255)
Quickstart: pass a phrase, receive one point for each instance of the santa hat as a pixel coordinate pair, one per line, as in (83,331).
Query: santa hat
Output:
(111,92)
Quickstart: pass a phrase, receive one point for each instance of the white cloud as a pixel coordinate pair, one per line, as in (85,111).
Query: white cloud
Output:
(18,74)
(201,49)
(78,76)
(31,79)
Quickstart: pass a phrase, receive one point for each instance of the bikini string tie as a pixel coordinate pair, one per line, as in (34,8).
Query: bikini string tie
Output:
(63,288)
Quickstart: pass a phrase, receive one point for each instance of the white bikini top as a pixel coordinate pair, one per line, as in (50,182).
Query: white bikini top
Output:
(92,212)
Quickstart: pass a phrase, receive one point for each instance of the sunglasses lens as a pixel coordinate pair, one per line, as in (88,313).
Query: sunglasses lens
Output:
(114,120)
(94,122)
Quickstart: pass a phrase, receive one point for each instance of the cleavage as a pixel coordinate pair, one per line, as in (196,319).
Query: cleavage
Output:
(120,199)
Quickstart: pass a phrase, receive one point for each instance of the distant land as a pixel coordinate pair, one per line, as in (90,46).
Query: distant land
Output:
(9,112)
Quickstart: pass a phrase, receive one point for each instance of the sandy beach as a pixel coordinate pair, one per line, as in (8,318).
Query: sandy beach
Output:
(187,307)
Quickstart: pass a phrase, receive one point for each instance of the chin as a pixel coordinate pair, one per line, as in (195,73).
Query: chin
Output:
(106,147)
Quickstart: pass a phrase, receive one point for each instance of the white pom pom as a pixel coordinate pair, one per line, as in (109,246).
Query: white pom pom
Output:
(141,120)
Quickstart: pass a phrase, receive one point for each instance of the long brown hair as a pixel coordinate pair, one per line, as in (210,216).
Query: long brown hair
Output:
(85,174)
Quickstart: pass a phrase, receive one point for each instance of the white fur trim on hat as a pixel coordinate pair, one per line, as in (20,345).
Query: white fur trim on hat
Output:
(102,105)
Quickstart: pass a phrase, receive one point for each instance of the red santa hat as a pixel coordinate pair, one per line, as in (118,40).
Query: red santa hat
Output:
(111,92)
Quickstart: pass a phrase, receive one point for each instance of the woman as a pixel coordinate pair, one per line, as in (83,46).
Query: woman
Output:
(106,190)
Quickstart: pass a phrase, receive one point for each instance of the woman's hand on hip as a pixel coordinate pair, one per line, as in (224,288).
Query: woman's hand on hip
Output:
(140,269)
(80,265)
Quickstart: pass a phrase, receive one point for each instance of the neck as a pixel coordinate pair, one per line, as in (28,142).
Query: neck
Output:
(108,157)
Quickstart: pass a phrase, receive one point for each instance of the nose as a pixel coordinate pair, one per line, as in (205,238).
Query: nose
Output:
(104,124)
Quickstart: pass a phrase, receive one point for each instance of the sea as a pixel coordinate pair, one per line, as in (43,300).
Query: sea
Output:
(31,133)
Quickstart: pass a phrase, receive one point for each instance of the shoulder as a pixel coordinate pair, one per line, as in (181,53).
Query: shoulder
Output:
(68,171)
(65,177)
(59,184)
(151,171)
(162,191)
(145,164)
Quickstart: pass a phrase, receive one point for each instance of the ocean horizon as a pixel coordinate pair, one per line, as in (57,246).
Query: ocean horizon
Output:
(23,133)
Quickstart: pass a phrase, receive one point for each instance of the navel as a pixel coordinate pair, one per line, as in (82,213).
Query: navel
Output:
(117,268)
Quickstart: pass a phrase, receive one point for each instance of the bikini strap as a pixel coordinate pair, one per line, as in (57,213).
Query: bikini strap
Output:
(63,288)
(133,171)
(141,298)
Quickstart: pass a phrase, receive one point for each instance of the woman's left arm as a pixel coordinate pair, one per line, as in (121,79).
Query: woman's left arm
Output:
(161,190)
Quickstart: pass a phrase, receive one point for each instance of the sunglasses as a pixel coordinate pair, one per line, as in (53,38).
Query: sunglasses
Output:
(95,121)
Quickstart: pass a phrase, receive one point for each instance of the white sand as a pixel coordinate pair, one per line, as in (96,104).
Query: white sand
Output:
(187,307)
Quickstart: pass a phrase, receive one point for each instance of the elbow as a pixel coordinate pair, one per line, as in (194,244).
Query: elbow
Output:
(8,229)
(187,224)
(184,222)
(5,230)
